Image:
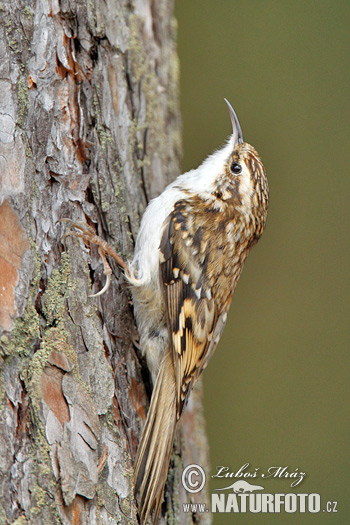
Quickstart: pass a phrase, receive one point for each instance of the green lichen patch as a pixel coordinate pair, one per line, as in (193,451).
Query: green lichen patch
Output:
(53,337)
(23,102)
(40,500)
(23,335)
(54,299)
(105,137)
(42,491)
(27,12)
(32,380)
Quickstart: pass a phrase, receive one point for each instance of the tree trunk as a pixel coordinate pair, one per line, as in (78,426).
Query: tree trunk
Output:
(89,130)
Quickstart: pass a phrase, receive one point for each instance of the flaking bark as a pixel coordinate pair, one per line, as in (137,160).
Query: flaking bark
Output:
(89,130)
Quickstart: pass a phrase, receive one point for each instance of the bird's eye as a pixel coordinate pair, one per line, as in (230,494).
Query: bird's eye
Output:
(236,168)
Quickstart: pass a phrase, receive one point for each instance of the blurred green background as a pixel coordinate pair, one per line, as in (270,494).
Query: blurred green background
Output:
(277,389)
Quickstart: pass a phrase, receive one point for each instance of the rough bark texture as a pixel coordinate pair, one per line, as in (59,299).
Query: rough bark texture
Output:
(89,129)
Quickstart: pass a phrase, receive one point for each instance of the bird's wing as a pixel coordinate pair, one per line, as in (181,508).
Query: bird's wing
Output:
(194,323)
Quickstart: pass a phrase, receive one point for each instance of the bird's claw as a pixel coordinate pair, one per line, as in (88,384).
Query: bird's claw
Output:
(88,235)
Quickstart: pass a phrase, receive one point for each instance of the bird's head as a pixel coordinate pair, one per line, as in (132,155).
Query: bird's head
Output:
(244,172)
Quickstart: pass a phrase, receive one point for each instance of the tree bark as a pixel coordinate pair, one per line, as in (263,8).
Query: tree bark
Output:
(89,130)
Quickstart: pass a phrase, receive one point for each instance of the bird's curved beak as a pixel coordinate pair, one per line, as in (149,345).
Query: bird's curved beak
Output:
(236,127)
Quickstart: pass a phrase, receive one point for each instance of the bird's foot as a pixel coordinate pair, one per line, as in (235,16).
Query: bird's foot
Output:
(87,234)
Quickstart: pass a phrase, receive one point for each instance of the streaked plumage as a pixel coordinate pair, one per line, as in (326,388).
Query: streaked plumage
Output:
(189,254)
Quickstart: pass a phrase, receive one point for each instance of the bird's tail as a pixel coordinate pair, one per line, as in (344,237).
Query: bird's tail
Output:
(153,455)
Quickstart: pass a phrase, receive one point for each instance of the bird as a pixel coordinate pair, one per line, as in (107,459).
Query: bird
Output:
(189,253)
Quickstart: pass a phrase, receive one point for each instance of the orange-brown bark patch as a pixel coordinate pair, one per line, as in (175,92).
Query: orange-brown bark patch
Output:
(51,388)
(13,244)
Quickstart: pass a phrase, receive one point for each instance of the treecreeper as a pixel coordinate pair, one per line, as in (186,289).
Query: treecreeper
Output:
(189,254)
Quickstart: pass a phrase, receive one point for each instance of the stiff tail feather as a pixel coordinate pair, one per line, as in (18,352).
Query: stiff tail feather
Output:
(153,454)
